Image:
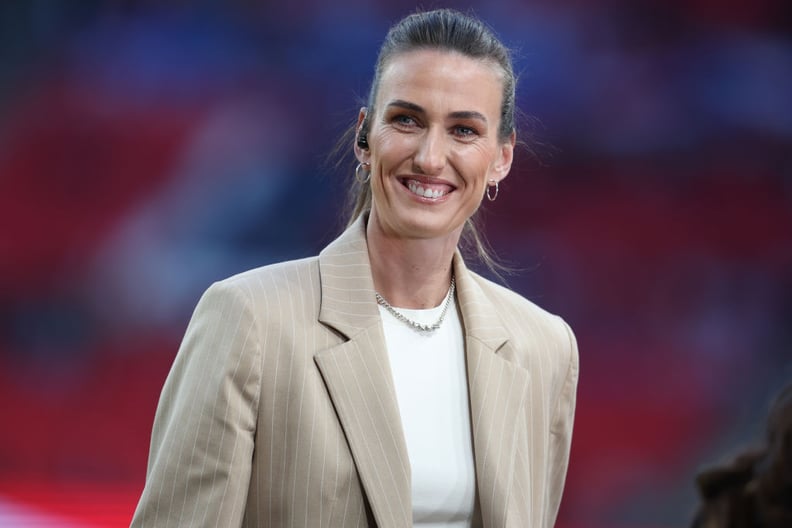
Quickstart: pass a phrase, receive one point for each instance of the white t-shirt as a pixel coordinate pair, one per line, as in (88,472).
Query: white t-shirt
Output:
(431,388)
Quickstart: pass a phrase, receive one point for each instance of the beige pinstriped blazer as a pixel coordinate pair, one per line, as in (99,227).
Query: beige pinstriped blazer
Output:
(280,410)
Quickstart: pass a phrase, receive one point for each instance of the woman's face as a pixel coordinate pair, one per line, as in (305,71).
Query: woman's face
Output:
(433,142)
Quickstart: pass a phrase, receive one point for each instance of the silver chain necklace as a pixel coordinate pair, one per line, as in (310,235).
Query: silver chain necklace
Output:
(415,324)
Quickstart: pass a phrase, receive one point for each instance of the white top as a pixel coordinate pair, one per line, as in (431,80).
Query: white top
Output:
(431,389)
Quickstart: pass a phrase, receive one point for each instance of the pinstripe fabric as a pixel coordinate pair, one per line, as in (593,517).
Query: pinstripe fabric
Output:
(280,410)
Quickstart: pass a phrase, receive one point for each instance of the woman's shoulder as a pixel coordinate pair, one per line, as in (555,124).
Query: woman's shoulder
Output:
(282,283)
(273,276)
(534,332)
(526,321)
(506,300)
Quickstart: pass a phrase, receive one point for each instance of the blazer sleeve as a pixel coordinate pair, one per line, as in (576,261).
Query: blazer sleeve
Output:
(202,440)
(561,429)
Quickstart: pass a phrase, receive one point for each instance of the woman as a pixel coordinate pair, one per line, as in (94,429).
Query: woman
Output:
(381,383)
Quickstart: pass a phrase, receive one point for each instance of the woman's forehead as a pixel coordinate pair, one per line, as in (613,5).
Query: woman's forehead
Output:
(441,77)
(439,58)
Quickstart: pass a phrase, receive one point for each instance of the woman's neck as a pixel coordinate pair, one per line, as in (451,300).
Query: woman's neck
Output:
(410,273)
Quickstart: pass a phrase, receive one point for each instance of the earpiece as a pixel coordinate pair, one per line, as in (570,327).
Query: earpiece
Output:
(362,135)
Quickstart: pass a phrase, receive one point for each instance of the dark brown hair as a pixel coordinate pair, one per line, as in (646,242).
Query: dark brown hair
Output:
(755,489)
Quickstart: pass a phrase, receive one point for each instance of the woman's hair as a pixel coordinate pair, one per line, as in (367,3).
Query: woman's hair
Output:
(754,490)
(449,30)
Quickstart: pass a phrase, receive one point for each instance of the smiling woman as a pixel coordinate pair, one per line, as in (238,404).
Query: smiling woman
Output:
(433,147)
(381,383)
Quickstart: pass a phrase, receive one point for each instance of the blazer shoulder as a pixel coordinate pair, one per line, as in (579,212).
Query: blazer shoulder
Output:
(278,273)
(530,325)
(507,302)
(537,333)
(285,289)
(282,277)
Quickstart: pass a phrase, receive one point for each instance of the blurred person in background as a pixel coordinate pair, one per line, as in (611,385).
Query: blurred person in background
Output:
(755,489)
(381,383)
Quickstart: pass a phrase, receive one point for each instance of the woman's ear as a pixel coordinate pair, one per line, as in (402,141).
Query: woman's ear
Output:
(503,164)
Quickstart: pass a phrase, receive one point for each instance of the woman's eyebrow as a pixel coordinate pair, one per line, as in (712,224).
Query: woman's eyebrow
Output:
(460,114)
(399,103)
(469,114)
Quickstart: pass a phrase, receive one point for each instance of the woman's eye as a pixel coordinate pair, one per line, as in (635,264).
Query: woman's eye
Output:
(465,131)
(404,120)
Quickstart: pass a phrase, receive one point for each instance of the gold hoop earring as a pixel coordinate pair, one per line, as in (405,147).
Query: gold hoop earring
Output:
(362,167)
(491,197)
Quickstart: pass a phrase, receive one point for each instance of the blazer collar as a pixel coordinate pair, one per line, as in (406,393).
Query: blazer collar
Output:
(479,316)
(358,377)
(359,380)
(498,393)
(347,285)
(348,291)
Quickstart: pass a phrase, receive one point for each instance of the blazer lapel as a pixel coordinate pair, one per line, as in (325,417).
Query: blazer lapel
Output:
(359,380)
(360,384)
(498,390)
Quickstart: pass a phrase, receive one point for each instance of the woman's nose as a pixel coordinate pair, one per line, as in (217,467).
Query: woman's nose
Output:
(430,157)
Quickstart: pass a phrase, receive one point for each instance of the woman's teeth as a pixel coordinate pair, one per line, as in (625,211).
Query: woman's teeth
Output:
(424,191)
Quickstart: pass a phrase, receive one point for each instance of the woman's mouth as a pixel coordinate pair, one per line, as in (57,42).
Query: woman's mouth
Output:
(432,191)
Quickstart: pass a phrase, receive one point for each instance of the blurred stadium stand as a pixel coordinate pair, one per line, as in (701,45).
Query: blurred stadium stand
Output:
(146,151)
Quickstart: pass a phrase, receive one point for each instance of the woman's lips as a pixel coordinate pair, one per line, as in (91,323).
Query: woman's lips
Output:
(427,189)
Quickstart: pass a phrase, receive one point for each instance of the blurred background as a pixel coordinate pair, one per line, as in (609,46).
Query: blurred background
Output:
(150,148)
